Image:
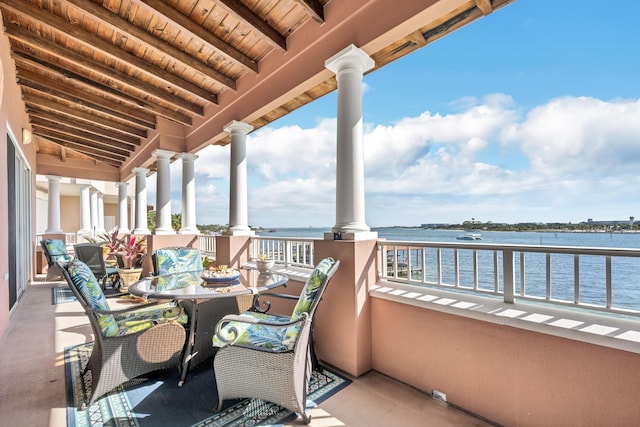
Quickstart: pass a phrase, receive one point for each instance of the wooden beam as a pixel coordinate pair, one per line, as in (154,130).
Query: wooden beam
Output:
(92,139)
(80,125)
(313,8)
(93,42)
(94,87)
(79,148)
(132,115)
(485,6)
(126,28)
(243,13)
(117,147)
(66,56)
(228,51)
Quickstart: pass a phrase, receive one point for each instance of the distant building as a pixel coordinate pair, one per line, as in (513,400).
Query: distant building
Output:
(590,221)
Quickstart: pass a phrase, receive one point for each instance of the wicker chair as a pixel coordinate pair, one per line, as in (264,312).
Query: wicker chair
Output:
(127,343)
(92,254)
(268,356)
(176,260)
(54,251)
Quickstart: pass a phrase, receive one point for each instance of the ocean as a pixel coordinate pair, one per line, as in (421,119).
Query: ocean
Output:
(625,271)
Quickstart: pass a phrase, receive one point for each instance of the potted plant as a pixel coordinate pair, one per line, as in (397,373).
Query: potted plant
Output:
(264,263)
(131,250)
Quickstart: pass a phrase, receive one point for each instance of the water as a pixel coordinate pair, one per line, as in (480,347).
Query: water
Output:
(625,271)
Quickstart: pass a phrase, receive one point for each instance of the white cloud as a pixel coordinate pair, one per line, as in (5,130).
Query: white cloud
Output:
(567,160)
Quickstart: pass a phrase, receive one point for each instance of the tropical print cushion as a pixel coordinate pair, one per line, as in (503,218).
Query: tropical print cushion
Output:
(177,260)
(87,285)
(146,317)
(275,338)
(57,250)
(310,290)
(123,323)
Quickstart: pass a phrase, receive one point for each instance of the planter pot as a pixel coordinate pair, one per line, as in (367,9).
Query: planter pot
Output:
(265,266)
(128,276)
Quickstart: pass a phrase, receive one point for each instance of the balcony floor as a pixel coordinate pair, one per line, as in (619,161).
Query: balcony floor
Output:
(32,382)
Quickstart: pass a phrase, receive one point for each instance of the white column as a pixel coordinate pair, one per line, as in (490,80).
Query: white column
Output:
(163,192)
(141,201)
(93,195)
(238,212)
(188,194)
(53,206)
(349,66)
(132,212)
(85,210)
(123,223)
(100,212)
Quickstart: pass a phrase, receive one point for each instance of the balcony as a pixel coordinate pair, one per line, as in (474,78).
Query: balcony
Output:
(507,356)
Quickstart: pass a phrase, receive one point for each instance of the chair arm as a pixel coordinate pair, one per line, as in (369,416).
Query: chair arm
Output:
(258,304)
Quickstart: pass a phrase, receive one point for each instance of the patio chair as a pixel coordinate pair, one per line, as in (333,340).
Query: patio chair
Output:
(129,342)
(267,356)
(92,254)
(54,250)
(176,260)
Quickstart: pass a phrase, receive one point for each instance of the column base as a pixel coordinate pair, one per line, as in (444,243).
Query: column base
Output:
(351,235)
(164,231)
(141,231)
(189,231)
(238,233)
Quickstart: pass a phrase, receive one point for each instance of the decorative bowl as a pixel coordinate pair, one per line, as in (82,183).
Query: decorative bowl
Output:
(222,277)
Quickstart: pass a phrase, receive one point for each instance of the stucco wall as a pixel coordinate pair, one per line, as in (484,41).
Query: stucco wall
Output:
(12,119)
(508,375)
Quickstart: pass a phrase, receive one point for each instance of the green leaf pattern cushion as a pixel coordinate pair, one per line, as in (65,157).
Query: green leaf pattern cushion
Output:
(57,250)
(86,283)
(123,323)
(146,317)
(177,260)
(275,338)
(310,290)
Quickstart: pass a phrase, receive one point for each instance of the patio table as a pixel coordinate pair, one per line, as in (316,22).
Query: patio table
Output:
(206,303)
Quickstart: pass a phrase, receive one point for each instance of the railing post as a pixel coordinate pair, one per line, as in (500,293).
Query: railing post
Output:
(508,272)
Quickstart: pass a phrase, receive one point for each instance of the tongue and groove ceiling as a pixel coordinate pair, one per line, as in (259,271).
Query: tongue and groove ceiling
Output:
(97,77)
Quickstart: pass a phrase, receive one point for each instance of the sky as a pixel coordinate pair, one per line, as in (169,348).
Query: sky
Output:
(530,114)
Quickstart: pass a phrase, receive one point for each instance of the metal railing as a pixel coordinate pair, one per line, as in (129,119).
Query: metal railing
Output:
(289,251)
(605,279)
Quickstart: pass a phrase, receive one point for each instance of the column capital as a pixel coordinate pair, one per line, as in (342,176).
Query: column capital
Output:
(350,57)
(140,171)
(188,157)
(54,177)
(122,184)
(237,126)
(162,154)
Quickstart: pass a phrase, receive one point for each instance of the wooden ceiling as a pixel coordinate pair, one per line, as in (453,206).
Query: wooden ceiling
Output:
(97,76)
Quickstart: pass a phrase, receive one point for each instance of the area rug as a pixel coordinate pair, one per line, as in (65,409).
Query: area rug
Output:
(156,399)
(61,295)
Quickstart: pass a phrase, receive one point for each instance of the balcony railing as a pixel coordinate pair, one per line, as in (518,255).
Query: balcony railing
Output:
(288,251)
(207,245)
(604,279)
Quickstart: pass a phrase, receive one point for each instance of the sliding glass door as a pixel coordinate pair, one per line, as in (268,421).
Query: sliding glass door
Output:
(19,214)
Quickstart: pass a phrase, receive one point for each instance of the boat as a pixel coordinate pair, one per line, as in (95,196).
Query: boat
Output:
(470,236)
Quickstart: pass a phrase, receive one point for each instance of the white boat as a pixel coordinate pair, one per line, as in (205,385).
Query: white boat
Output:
(470,236)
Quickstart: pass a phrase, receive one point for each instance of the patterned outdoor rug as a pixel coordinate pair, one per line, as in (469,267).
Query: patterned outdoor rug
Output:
(61,295)
(156,400)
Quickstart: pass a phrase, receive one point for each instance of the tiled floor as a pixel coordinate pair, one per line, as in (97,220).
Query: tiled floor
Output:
(32,383)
